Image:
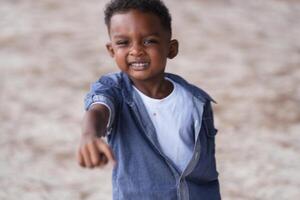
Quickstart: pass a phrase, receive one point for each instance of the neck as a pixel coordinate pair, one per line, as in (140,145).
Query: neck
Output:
(157,89)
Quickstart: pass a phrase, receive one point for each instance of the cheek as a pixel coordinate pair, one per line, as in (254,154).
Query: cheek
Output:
(159,55)
(120,56)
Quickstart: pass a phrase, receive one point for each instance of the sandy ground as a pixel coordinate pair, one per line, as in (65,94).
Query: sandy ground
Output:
(245,53)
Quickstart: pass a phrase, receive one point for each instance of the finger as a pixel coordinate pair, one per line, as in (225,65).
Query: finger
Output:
(80,159)
(106,150)
(103,160)
(94,154)
(86,157)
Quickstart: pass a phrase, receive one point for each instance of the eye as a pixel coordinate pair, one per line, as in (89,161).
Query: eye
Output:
(122,43)
(150,41)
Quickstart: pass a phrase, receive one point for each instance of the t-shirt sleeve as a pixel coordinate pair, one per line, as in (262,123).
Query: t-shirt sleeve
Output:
(102,94)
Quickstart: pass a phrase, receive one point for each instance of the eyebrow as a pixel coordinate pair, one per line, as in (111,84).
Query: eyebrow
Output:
(154,34)
(124,36)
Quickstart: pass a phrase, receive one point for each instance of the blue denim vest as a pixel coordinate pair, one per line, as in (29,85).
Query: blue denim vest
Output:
(142,170)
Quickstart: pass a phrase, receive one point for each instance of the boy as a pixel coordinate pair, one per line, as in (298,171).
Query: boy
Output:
(159,128)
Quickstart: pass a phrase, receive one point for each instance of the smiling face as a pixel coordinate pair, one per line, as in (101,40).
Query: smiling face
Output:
(140,45)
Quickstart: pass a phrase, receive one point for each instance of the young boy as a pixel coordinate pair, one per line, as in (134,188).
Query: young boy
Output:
(159,128)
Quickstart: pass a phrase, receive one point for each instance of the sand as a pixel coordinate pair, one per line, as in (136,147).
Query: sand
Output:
(246,54)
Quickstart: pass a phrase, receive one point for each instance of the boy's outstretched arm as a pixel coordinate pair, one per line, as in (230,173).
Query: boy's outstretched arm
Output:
(93,151)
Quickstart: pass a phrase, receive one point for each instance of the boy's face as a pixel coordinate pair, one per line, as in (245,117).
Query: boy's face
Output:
(140,45)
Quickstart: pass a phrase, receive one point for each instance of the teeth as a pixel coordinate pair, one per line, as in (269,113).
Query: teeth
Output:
(139,64)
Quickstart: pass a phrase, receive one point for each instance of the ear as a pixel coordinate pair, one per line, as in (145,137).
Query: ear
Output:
(173,51)
(110,49)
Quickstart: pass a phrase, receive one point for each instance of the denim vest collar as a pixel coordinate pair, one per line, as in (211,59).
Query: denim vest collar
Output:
(127,88)
(125,84)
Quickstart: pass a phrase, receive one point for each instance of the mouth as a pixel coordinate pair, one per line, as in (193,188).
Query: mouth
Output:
(139,66)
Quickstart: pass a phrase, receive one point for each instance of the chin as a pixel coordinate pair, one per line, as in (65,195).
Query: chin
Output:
(139,77)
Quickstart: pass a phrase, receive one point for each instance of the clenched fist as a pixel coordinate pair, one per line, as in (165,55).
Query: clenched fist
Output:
(94,152)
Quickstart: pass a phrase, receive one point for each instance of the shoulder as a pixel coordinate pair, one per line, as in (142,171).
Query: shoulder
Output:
(193,89)
(111,80)
(108,85)
(105,89)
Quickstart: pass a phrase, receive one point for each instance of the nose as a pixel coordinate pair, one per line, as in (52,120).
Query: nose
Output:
(136,50)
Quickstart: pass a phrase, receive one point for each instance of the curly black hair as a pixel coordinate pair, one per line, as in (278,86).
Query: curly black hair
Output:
(156,7)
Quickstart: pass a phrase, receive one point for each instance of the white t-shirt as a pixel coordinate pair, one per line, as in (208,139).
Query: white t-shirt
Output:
(173,121)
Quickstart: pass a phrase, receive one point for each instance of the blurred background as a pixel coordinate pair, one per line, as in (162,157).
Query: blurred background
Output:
(246,54)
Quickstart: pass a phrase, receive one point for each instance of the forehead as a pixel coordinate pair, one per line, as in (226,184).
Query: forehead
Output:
(134,21)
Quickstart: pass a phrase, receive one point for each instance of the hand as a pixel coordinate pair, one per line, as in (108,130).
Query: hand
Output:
(94,152)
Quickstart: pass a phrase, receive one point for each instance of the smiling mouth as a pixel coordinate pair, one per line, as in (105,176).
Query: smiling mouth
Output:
(138,66)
